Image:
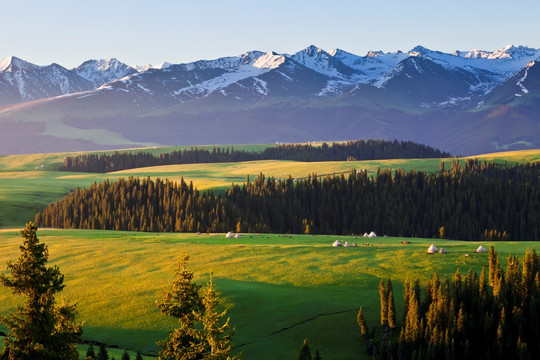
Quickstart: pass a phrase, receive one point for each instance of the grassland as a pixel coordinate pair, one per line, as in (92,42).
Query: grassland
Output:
(280,289)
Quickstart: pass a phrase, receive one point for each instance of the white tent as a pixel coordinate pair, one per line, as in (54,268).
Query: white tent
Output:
(481,249)
(372,235)
(346,244)
(337,243)
(432,249)
(365,235)
(237,236)
(442,251)
(229,235)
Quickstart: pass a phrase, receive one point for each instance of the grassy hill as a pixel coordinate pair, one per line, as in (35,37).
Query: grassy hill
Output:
(281,289)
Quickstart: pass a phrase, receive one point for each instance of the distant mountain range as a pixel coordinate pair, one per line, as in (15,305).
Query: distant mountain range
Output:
(463,102)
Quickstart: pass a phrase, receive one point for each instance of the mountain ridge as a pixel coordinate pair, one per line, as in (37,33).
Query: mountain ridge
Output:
(106,97)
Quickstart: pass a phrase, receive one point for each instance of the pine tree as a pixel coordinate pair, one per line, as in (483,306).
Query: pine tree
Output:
(90,353)
(125,355)
(391,312)
(384,304)
(102,353)
(184,303)
(40,329)
(217,336)
(361,322)
(304,354)
(317,355)
(139,356)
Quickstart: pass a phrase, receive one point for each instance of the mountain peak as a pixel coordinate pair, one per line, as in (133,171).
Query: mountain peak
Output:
(270,60)
(513,52)
(374,54)
(13,64)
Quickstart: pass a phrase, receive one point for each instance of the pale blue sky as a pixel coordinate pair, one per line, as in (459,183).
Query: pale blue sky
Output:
(138,32)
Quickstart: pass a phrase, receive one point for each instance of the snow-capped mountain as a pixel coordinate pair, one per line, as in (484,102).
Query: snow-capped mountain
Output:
(309,95)
(100,72)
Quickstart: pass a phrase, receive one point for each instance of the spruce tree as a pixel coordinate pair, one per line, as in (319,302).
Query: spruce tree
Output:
(102,353)
(217,336)
(90,353)
(361,322)
(384,304)
(139,356)
(125,355)
(39,329)
(317,355)
(182,302)
(304,354)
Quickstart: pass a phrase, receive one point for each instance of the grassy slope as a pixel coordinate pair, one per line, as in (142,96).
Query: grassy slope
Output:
(271,282)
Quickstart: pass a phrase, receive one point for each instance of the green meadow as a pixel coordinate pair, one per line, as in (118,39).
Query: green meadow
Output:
(279,289)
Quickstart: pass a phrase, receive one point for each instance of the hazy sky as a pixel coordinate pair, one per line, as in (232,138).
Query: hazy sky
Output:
(138,32)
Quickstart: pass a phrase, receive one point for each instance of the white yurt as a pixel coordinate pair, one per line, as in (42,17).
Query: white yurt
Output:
(229,235)
(237,236)
(337,243)
(481,249)
(346,244)
(432,249)
(372,235)
(442,251)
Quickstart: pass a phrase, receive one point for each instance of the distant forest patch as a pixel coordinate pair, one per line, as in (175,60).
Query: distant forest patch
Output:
(356,150)
(479,201)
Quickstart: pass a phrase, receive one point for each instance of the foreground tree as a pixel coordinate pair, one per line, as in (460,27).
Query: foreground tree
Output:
(305,353)
(39,329)
(200,334)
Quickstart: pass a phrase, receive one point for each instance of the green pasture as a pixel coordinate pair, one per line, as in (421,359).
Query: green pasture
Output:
(26,187)
(280,289)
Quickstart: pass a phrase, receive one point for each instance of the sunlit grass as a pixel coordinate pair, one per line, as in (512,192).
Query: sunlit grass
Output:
(272,282)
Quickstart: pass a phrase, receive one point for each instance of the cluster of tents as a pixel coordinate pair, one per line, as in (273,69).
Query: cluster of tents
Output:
(230,235)
(433,250)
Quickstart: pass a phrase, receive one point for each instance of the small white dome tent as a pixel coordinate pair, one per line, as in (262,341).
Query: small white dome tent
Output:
(237,236)
(337,243)
(372,235)
(365,234)
(442,251)
(229,235)
(481,249)
(346,244)
(432,249)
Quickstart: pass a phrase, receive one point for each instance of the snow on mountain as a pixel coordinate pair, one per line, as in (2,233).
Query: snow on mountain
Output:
(373,66)
(322,62)
(100,72)
(13,64)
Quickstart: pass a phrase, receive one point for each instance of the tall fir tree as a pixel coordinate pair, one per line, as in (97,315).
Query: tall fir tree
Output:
(102,353)
(40,328)
(305,353)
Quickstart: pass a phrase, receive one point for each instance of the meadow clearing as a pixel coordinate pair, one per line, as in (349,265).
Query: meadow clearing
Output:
(280,288)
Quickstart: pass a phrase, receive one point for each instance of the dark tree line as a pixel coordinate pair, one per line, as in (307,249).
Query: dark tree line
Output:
(470,316)
(350,150)
(472,202)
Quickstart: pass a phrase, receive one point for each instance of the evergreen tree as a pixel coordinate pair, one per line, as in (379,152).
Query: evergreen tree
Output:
(317,355)
(139,356)
(361,322)
(182,302)
(90,353)
(125,355)
(217,336)
(384,303)
(200,334)
(304,354)
(40,329)
(102,353)
(391,313)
